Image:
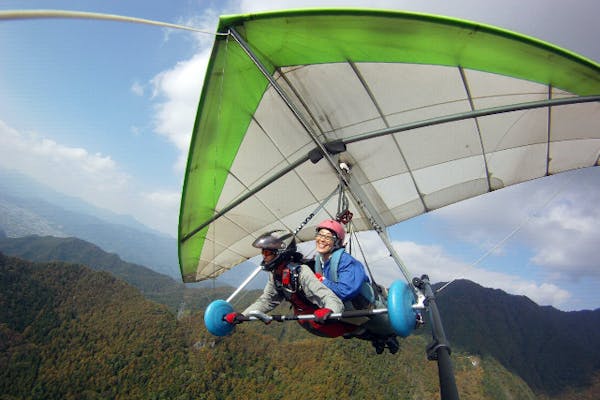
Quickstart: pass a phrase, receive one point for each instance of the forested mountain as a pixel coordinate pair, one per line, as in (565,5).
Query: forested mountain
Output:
(154,286)
(67,331)
(551,350)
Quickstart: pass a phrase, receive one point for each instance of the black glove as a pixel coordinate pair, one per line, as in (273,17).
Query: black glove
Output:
(234,318)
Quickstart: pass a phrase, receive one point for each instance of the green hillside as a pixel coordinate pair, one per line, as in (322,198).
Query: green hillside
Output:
(68,332)
(550,349)
(153,285)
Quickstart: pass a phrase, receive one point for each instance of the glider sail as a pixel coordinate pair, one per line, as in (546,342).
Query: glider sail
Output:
(430,111)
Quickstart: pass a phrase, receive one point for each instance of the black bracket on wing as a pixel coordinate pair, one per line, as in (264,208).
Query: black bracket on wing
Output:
(334,147)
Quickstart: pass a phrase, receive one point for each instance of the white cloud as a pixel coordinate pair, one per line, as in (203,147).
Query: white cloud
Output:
(71,170)
(556,217)
(178,91)
(567,217)
(441,267)
(565,237)
(93,177)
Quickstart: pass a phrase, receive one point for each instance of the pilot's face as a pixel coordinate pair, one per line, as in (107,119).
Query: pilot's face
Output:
(268,255)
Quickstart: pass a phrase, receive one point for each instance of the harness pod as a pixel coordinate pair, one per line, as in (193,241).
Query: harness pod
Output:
(366,290)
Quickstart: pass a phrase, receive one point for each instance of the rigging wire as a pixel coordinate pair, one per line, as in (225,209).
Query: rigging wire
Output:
(46,14)
(362,253)
(312,214)
(515,230)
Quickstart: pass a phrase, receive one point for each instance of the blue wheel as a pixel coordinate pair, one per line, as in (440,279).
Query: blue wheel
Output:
(400,311)
(213,318)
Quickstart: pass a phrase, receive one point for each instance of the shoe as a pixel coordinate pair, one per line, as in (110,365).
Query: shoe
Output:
(379,346)
(392,344)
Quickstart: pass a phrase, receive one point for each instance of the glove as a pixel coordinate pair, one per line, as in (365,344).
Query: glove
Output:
(319,276)
(322,314)
(234,318)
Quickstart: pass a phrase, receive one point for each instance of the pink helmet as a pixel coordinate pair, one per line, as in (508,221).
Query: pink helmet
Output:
(335,227)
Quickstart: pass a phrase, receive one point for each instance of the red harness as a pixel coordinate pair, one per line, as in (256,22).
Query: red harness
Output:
(333,328)
(287,283)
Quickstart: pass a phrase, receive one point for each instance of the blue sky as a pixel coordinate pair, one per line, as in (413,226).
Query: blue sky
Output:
(104,111)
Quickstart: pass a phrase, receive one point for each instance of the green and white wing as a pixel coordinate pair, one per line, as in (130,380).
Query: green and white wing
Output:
(431,110)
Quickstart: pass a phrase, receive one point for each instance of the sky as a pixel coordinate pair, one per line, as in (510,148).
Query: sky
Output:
(104,111)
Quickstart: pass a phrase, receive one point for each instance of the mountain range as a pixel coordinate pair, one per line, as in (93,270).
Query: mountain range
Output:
(550,349)
(554,352)
(28,207)
(67,331)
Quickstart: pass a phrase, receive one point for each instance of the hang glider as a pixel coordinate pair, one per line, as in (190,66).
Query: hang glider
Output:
(406,112)
(425,111)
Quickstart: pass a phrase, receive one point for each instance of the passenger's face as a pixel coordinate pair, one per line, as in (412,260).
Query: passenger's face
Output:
(324,241)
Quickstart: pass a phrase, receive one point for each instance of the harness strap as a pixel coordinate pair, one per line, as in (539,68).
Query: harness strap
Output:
(288,282)
(366,290)
(334,261)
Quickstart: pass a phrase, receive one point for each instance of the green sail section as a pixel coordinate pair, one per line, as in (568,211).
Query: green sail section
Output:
(324,36)
(228,101)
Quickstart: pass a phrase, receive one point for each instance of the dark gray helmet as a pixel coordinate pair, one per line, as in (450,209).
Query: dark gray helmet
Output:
(282,243)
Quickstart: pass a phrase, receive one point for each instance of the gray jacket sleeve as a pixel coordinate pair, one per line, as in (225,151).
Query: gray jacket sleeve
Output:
(317,293)
(313,289)
(267,301)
